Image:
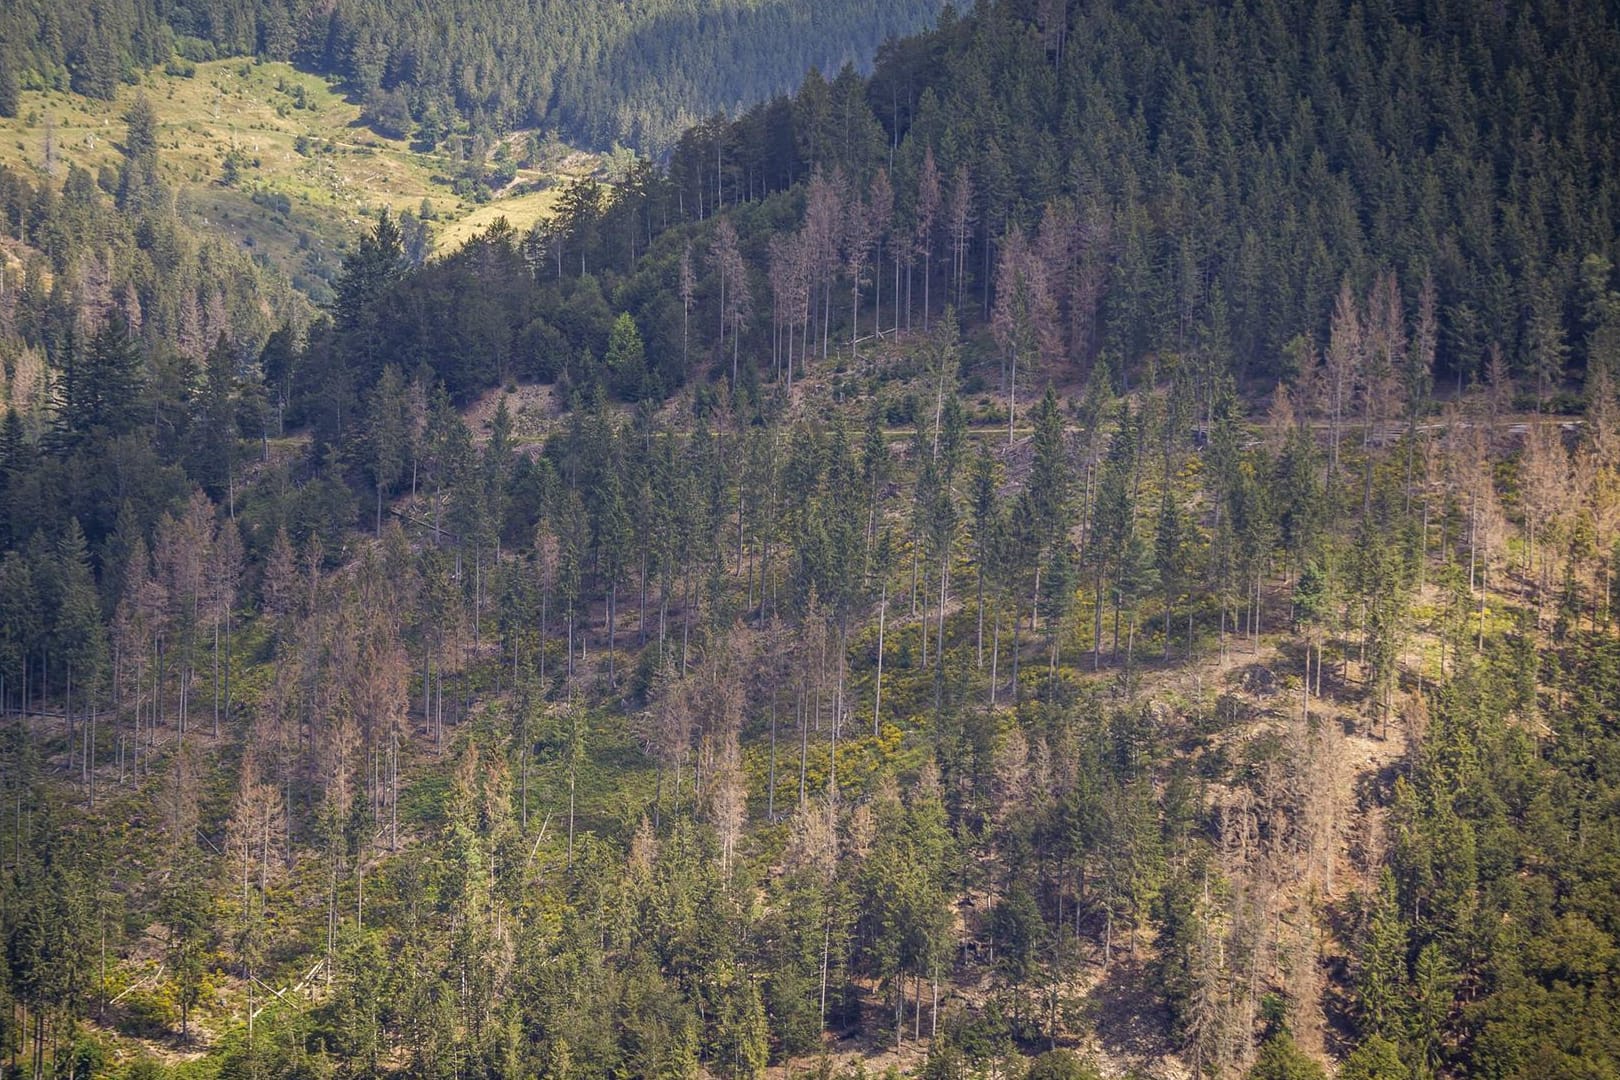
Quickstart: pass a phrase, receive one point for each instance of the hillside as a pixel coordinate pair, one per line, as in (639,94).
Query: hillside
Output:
(599,74)
(1086,552)
(278,161)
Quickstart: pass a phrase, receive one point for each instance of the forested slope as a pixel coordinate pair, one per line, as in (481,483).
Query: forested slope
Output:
(635,73)
(1095,543)
(1162,185)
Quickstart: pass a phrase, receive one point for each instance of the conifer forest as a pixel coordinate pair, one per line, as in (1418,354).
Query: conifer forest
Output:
(1052,540)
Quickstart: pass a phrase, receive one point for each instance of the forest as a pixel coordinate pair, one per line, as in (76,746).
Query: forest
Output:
(1086,551)
(600,74)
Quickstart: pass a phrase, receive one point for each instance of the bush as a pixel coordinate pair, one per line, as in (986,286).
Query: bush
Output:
(1375,1059)
(1281,1059)
(195,49)
(145,1068)
(146,1014)
(1061,1065)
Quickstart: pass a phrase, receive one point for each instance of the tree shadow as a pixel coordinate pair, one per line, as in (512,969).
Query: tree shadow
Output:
(1131,1019)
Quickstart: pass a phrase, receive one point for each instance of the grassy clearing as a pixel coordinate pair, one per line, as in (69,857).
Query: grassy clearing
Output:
(309,174)
(520,210)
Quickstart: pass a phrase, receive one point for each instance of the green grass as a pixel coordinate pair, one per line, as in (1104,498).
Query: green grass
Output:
(520,210)
(311,175)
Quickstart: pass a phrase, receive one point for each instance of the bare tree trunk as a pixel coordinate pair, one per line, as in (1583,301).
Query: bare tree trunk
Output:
(1012,396)
(1097,621)
(826,948)
(922,625)
(217,687)
(980,633)
(877,704)
(1018,617)
(804,743)
(933,1009)
(995,655)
